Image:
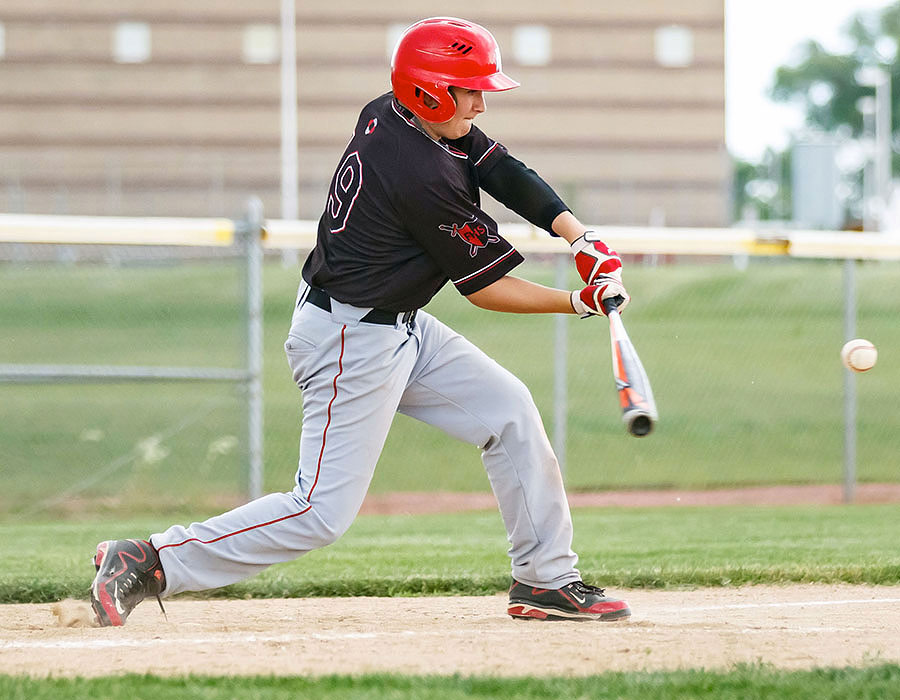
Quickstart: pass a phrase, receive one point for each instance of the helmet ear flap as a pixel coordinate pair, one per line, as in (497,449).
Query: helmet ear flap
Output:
(439,109)
(442,110)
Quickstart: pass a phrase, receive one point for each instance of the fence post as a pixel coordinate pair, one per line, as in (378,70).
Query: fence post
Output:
(849,384)
(252,229)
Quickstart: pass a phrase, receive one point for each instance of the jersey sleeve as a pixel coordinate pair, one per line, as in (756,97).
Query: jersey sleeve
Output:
(457,234)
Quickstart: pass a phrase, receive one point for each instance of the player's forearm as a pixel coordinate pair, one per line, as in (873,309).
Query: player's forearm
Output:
(518,296)
(567,226)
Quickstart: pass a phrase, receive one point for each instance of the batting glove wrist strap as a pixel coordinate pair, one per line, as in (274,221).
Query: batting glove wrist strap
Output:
(589,301)
(593,258)
(579,306)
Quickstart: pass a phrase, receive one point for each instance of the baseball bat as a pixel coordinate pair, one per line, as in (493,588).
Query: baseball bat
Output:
(635,395)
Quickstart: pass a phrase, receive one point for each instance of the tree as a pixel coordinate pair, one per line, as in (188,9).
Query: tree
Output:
(826,85)
(762,188)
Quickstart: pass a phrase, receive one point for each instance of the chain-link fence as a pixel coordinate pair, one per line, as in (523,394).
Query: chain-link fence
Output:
(119,350)
(70,444)
(743,354)
(745,367)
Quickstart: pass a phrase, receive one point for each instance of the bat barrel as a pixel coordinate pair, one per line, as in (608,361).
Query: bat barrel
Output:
(639,423)
(635,395)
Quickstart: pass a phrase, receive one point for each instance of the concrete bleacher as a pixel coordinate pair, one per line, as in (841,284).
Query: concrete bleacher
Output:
(621,135)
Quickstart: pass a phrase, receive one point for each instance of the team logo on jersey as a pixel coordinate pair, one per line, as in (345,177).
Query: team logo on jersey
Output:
(370,127)
(473,232)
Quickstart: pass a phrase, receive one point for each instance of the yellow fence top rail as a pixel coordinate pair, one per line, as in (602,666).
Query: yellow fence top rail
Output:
(637,240)
(115,230)
(280,233)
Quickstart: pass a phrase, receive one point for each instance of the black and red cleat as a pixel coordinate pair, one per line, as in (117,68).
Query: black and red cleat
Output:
(575,601)
(127,572)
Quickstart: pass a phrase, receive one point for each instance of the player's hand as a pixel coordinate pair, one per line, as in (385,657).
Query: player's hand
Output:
(589,301)
(593,258)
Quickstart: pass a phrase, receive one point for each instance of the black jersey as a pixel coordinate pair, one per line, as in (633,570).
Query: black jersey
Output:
(403,215)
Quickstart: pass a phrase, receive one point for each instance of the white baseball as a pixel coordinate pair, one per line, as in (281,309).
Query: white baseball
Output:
(859,355)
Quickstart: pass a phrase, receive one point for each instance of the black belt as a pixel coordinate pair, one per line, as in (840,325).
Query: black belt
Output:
(320,298)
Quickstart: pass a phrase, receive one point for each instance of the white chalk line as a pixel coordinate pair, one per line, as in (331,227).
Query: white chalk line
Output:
(236,637)
(245,638)
(804,629)
(800,604)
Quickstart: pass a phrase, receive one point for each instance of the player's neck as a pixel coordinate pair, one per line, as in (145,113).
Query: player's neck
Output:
(426,129)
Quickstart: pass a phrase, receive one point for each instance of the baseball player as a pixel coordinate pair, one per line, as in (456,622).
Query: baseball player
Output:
(402,218)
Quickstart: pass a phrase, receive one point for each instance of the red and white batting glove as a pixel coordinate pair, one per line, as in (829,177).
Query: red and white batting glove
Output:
(589,301)
(593,258)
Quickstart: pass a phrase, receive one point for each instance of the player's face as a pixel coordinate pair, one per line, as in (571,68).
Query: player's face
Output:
(469,104)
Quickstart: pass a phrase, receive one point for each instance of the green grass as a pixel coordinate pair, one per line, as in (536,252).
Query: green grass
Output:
(742,683)
(464,554)
(744,365)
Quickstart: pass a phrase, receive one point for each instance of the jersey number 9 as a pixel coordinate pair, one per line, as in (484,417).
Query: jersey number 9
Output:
(345,189)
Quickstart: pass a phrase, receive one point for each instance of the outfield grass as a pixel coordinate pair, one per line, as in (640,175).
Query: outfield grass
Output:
(873,683)
(464,554)
(744,365)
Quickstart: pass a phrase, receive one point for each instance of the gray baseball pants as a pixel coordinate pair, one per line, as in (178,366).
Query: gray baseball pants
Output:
(354,377)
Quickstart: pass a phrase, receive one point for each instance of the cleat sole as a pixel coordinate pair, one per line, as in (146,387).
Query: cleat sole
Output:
(530,612)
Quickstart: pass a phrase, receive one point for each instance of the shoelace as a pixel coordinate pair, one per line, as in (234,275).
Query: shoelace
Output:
(583,587)
(159,600)
(133,579)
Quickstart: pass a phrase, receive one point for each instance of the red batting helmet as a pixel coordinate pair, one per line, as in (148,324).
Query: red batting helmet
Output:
(439,52)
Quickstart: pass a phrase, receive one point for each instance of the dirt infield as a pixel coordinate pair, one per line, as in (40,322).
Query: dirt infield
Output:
(417,503)
(789,627)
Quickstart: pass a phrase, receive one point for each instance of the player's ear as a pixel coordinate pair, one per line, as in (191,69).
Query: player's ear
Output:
(427,99)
